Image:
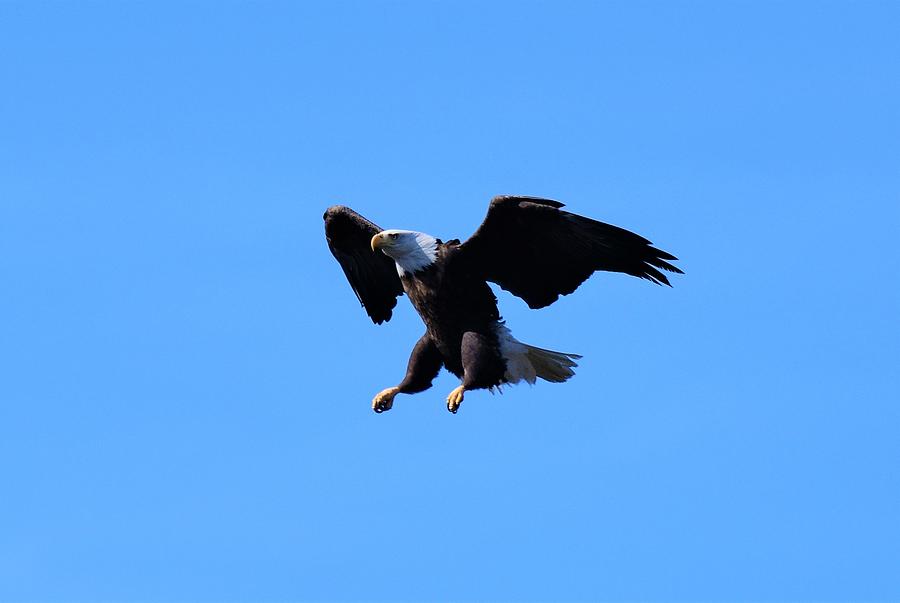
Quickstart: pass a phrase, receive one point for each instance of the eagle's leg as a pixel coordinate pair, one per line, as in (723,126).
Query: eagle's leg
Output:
(424,364)
(483,367)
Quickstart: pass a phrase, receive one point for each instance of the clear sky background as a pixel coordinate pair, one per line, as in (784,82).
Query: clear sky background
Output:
(185,375)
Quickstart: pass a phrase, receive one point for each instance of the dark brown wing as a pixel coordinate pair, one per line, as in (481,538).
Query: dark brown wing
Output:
(538,252)
(373,276)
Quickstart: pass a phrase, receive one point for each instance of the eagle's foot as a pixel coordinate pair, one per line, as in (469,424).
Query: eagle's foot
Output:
(455,399)
(384,399)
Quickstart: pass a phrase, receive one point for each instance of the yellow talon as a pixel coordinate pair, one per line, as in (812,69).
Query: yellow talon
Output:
(455,399)
(384,399)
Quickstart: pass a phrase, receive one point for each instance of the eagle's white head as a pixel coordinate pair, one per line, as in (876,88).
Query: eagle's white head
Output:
(411,250)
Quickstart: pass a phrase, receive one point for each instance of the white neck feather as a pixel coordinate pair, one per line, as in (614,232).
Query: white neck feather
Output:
(419,256)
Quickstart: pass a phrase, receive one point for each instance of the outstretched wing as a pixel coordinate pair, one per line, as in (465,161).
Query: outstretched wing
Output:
(373,276)
(538,252)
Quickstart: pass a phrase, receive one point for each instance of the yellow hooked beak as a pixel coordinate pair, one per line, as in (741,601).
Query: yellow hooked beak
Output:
(377,241)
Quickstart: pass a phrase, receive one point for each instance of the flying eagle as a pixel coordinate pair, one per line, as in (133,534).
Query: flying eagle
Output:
(527,245)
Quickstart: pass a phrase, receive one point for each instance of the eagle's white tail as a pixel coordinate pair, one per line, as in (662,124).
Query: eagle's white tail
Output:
(527,362)
(551,366)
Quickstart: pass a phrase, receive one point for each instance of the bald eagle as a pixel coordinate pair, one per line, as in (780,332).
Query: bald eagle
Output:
(526,245)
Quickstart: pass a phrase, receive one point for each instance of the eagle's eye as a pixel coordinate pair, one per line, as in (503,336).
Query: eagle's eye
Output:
(394,235)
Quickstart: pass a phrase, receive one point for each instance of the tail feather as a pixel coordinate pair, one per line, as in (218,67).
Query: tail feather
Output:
(527,362)
(555,367)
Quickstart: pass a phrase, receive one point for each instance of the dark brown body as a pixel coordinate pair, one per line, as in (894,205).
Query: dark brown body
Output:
(460,315)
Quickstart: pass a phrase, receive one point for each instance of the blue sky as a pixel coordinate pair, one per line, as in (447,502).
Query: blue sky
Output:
(185,376)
